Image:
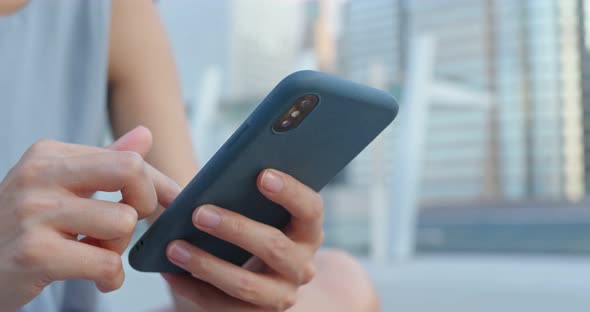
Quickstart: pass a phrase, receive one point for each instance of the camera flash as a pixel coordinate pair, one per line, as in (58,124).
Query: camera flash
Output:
(295,114)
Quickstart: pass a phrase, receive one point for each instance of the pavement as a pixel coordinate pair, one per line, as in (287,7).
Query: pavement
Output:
(435,283)
(484,283)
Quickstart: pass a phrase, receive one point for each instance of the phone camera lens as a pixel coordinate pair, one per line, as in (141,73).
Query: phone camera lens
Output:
(297,113)
(286,124)
(304,103)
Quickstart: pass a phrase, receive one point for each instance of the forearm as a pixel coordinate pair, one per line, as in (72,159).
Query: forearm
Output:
(144,90)
(172,152)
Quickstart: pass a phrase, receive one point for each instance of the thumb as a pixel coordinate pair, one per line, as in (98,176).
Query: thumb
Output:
(138,140)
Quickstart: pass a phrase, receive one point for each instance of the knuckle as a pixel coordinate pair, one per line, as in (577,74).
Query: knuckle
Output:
(132,163)
(199,267)
(153,205)
(278,246)
(317,207)
(24,206)
(288,300)
(28,251)
(127,220)
(30,170)
(237,226)
(42,145)
(246,289)
(116,285)
(111,267)
(308,274)
(28,205)
(314,209)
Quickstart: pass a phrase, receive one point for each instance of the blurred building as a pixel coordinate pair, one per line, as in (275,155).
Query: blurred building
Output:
(319,46)
(372,36)
(197,45)
(531,55)
(253,43)
(370,51)
(457,153)
(526,53)
(464,35)
(265,42)
(539,99)
(584,48)
(458,163)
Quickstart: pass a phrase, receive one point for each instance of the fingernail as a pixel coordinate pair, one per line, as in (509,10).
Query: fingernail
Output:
(272,182)
(179,254)
(207,217)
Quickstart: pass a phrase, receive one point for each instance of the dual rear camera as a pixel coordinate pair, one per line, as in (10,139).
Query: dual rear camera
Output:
(296,113)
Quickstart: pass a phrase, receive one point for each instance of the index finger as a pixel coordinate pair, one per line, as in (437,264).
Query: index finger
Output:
(141,185)
(138,140)
(166,188)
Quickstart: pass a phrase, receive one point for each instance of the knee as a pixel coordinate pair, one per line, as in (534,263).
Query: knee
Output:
(343,275)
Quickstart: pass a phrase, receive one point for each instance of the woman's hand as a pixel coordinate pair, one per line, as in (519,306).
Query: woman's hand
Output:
(283,260)
(45,206)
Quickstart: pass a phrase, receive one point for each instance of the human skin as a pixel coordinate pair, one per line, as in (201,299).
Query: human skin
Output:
(45,205)
(144,90)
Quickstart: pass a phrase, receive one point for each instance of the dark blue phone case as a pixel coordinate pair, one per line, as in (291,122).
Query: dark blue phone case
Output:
(346,119)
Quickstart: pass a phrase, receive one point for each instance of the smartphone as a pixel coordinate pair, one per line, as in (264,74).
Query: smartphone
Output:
(310,127)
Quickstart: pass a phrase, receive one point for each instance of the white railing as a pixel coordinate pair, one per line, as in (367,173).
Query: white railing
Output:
(394,213)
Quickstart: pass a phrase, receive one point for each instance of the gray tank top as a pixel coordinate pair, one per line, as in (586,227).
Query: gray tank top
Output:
(53,84)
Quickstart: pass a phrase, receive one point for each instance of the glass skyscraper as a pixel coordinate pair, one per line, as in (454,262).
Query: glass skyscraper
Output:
(540,121)
(458,164)
(372,36)
(527,54)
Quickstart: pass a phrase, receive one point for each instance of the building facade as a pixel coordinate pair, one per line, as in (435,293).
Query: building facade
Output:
(527,54)
(372,36)
(375,43)
(539,100)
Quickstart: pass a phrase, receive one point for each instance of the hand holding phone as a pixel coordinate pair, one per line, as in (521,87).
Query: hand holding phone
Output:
(310,126)
(306,130)
(283,260)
